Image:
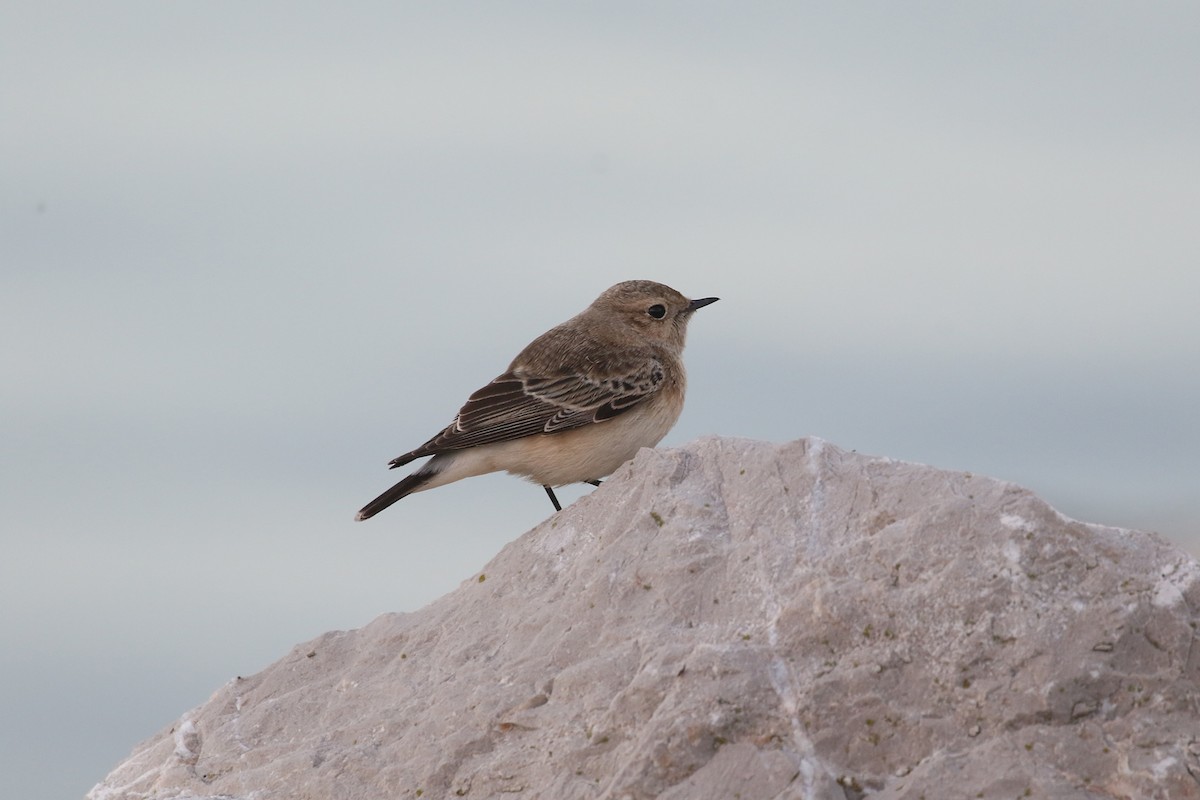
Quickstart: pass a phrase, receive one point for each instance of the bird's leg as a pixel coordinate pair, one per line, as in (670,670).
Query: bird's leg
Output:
(593,483)
(553,499)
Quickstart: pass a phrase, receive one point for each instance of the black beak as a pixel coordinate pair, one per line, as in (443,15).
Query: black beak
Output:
(702,302)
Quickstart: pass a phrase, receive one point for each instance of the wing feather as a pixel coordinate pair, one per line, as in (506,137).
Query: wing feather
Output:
(516,405)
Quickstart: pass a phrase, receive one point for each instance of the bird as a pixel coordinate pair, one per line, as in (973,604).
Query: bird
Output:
(579,401)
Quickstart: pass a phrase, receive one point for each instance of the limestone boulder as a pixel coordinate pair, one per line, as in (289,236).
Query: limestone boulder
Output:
(740,619)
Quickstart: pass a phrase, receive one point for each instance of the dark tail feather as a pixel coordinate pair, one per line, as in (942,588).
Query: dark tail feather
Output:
(401,489)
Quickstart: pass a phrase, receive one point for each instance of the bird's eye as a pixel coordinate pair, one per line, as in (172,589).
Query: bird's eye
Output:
(658,311)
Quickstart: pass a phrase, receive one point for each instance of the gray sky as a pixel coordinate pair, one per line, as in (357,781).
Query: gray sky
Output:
(251,251)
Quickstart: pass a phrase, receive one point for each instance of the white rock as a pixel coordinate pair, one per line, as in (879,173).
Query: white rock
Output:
(736,617)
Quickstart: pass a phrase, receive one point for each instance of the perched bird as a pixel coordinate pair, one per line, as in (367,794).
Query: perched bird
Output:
(574,405)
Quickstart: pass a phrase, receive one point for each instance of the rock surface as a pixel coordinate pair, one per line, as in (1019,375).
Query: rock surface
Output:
(741,619)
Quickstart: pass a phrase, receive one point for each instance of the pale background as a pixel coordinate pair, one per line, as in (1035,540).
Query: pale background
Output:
(252,251)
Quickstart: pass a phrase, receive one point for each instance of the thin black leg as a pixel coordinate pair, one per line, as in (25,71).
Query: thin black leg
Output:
(553,499)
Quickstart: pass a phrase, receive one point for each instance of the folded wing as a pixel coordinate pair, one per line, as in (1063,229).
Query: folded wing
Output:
(516,405)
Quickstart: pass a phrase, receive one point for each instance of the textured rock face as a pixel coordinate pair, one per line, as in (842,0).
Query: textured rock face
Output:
(741,619)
